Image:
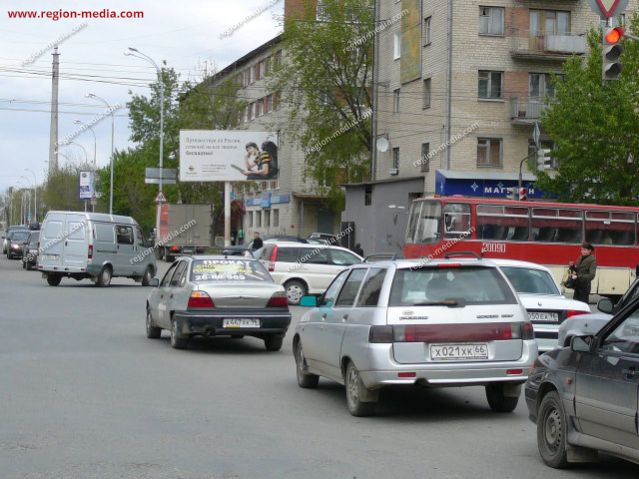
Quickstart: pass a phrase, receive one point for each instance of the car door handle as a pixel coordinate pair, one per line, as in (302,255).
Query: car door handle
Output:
(324,317)
(344,318)
(629,373)
(171,297)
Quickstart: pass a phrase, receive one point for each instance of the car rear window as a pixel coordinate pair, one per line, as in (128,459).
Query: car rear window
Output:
(466,285)
(288,255)
(228,270)
(534,281)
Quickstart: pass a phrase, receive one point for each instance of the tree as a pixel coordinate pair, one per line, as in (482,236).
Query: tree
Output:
(595,128)
(62,187)
(325,83)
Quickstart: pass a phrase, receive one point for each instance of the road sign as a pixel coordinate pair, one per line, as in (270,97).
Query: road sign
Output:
(160,198)
(608,8)
(152,176)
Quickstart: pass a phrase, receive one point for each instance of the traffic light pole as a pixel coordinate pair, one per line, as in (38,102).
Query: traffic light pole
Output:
(521,165)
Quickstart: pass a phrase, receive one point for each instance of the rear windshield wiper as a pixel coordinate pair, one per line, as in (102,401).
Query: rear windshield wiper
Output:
(448,302)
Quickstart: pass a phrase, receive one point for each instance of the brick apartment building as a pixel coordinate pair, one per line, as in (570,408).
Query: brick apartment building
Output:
(476,71)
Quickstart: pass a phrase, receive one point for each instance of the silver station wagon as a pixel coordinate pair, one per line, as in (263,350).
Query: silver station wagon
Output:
(431,323)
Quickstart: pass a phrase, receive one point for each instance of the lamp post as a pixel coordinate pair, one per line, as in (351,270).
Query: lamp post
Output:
(86,155)
(35,193)
(96,97)
(29,204)
(95,142)
(136,53)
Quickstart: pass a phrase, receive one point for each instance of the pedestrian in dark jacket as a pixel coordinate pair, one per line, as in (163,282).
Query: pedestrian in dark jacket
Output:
(358,250)
(583,272)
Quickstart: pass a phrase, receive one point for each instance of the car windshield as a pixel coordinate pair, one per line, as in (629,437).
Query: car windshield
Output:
(449,286)
(33,239)
(20,236)
(532,281)
(228,270)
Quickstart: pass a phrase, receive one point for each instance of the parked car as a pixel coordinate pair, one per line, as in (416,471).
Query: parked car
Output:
(584,398)
(408,322)
(17,242)
(96,246)
(541,296)
(30,255)
(592,323)
(323,238)
(218,296)
(305,268)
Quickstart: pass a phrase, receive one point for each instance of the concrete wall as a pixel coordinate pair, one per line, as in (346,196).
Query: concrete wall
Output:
(378,228)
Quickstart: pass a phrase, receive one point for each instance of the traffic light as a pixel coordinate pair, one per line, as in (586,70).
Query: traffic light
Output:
(544,160)
(612,51)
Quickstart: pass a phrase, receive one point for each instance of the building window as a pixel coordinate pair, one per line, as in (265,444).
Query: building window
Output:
(258,219)
(251,108)
(490,84)
(489,152)
(549,22)
(396,96)
(368,195)
(277,60)
(251,75)
(267,218)
(262,66)
(268,104)
(540,86)
(251,224)
(397,46)
(395,158)
(425,158)
(426,32)
(275,217)
(491,20)
(246,113)
(260,107)
(427,94)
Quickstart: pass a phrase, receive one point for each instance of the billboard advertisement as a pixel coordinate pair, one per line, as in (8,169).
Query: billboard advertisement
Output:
(411,59)
(87,185)
(228,155)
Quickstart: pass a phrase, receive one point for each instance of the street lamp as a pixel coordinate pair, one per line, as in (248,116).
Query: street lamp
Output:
(86,155)
(35,193)
(136,53)
(96,97)
(34,185)
(95,142)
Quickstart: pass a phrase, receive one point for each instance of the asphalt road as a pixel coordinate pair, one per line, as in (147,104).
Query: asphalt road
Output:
(84,394)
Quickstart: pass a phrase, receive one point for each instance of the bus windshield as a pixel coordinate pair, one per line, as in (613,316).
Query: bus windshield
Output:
(428,222)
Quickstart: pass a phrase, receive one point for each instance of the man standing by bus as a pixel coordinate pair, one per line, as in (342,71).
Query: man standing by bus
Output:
(583,272)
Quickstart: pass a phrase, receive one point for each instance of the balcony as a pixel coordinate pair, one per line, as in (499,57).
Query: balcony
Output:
(526,111)
(548,47)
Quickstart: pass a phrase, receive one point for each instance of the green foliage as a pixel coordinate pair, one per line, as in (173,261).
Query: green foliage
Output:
(325,82)
(595,127)
(61,191)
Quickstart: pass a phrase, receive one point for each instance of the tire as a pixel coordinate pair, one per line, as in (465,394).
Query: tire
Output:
(551,431)
(54,279)
(177,340)
(152,331)
(497,401)
(28,266)
(295,290)
(355,390)
(304,379)
(104,277)
(273,342)
(148,276)
(24,265)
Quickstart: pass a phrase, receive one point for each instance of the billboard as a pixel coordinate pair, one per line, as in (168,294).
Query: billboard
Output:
(228,155)
(87,185)
(411,59)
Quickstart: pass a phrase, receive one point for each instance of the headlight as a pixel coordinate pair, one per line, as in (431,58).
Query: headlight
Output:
(15,246)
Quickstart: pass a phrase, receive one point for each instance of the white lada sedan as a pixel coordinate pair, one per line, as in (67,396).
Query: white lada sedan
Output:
(430,323)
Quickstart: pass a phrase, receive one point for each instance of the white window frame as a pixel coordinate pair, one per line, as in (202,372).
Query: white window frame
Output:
(489,22)
(426,32)
(397,46)
(487,146)
(489,88)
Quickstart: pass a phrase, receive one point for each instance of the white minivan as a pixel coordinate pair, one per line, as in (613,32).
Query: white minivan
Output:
(305,268)
(97,246)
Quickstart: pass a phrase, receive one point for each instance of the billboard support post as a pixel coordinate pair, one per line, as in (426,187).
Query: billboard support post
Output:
(227,213)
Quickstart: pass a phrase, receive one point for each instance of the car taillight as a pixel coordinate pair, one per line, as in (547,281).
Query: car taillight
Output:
(272,259)
(422,333)
(199,299)
(278,300)
(527,331)
(570,313)
(175,249)
(90,251)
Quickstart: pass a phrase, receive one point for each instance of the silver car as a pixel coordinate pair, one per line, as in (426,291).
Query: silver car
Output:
(217,296)
(411,322)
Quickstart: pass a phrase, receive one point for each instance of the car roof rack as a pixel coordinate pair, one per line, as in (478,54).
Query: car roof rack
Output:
(380,257)
(457,254)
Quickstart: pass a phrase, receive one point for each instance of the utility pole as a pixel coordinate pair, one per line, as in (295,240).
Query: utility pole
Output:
(53,133)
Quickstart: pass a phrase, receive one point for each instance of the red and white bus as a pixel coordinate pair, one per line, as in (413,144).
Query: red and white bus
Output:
(541,232)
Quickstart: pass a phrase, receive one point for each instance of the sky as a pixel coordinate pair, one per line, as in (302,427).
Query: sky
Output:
(184,33)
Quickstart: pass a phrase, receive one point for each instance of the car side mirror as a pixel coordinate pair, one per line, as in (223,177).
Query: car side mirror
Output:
(155,282)
(309,301)
(605,306)
(581,344)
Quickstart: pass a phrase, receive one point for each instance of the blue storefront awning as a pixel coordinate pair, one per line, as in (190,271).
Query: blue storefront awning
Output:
(483,184)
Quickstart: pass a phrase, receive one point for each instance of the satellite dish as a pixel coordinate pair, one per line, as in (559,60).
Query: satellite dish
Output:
(383,144)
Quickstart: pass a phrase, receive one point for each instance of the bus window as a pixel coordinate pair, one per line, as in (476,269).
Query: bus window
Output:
(415,209)
(607,228)
(498,223)
(429,224)
(550,225)
(457,220)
